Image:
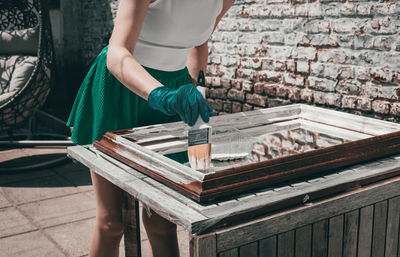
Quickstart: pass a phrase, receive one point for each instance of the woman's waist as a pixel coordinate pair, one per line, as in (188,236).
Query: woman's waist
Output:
(167,58)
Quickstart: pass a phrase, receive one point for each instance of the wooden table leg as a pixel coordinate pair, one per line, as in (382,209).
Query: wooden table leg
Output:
(203,245)
(130,217)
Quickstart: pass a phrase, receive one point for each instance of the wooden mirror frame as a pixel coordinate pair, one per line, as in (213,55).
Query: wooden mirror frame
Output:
(144,148)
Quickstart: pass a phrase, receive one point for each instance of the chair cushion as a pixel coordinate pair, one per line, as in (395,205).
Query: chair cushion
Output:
(24,41)
(15,70)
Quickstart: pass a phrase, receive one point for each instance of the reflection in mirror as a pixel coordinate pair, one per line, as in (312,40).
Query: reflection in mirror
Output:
(291,142)
(277,144)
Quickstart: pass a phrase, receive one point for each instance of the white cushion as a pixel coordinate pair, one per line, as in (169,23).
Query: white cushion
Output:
(15,70)
(24,41)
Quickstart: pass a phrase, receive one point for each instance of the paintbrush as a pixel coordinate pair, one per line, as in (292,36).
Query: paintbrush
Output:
(199,137)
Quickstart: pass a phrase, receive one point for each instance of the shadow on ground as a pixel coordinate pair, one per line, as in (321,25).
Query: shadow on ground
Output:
(59,172)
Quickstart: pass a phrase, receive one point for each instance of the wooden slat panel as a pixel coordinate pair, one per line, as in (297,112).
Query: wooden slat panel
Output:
(379,229)
(365,234)
(230,253)
(392,232)
(290,219)
(350,234)
(249,250)
(335,242)
(268,247)
(286,244)
(303,241)
(320,239)
(205,245)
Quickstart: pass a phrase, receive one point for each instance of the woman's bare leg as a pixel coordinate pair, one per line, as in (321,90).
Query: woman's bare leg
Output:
(108,229)
(162,235)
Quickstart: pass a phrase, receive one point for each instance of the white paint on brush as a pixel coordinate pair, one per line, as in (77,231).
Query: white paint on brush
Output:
(201,164)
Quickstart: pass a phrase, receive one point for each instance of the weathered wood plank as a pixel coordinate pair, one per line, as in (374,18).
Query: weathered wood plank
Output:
(303,241)
(240,120)
(229,253)
(147,159)
(131,221)
(249,250)
(174,211)
(365,235)
(392,231)
(350,234)
(304,215)
(118,163)
(286,244)
(320,238)
(272,128)
(347,120)
(205,245)
(333,131)
(379,229)
(335,242)
(268,247)
(258,117)
(180,197)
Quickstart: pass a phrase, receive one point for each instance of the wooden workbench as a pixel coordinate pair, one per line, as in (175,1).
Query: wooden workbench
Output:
(361,221)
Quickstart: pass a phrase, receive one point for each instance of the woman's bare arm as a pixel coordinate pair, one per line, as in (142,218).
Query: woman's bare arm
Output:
(198,56)
(120,61)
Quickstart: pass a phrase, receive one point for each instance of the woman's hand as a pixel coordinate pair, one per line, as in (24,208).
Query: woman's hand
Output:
(186,101)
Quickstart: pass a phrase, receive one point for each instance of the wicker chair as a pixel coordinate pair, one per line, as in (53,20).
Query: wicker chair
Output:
(19,15)
(25,20)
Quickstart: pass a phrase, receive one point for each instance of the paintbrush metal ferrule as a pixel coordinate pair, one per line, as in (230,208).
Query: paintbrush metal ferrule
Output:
(199,136)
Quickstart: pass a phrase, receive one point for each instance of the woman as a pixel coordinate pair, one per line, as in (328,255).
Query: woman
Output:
(168,39)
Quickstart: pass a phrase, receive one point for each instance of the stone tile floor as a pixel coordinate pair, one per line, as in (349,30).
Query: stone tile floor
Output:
(50,211)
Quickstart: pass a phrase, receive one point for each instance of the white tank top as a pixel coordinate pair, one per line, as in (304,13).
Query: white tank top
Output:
(171,28)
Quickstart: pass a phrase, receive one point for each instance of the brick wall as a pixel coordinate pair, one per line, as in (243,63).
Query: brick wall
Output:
(339,54)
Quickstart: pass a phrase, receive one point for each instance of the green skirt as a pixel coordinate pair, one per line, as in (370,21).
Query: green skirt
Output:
(104,104)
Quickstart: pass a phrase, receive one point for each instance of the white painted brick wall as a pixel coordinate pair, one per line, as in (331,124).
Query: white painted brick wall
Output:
(342,55)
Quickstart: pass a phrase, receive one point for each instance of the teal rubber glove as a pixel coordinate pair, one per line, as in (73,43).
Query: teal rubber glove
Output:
(186,101)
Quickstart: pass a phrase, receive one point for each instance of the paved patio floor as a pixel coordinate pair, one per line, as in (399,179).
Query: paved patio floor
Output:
(51,211)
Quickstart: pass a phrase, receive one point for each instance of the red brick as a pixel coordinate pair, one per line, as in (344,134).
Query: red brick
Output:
(236,95)
(258,100)
(236,107)
(364,104)
(349,102)
(395,109)
(380,106)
